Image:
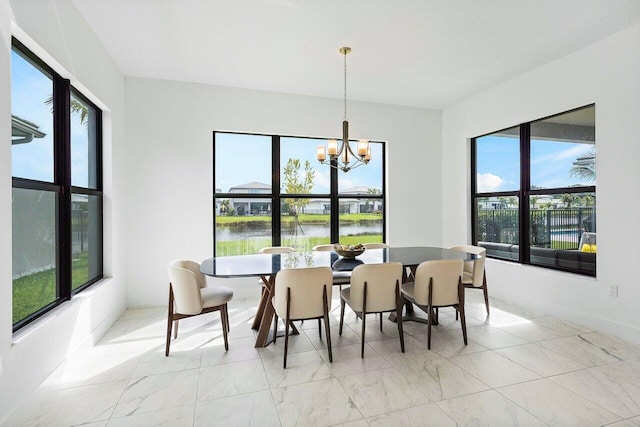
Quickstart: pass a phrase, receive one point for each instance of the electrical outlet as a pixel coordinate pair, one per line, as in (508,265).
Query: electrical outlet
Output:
(613,291)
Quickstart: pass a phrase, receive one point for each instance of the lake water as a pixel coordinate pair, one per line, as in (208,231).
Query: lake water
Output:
(231,233)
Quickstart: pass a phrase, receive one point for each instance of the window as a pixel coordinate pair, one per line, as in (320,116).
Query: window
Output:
(57,188)
(534,192)
(314,204)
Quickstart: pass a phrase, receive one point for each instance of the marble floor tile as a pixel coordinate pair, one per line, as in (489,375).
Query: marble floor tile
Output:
(372,329)
(253,409)
(556,405)
(559,326)
(494,369)
(348,337)
(297,344)
(428,415)
(630,422)
(488,408)
(319,403)
(301,368)
(581,350)
(78,405)
(347,360)
(240,349)
(146,394)
(439,379)
(359,423)
(155,362)
(231,379)
(382,391)
(449,343)
(615,387)
(181,416)
(493,338)
(540,360)
(414,350)
(615,346)
(530,331)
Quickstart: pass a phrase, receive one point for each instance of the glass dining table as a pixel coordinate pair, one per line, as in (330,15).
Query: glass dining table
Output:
(266,266)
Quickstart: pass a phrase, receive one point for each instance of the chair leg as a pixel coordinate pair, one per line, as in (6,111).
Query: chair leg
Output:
(364,318)
(169,321)
(430,310)
(286,329)
(486,292)
(327,330)
(275,327)
(399,304)
(461,309)
(226,315)
(342,304)
(225,326)
(380,322)
(320,328)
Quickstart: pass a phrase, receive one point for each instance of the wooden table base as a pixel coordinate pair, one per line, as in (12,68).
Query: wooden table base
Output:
(265,314)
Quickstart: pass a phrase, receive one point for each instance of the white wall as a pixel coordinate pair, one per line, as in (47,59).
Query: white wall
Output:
(606,73)
(170,172)
(57,33)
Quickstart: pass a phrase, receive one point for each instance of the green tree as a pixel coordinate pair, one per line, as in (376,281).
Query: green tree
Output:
(585,167)
(297,182)
(77,107)
(294,183)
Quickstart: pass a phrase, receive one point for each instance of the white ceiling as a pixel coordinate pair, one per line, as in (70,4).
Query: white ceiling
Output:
(423,53)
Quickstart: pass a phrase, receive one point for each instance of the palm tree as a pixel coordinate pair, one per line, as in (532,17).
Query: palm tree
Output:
(585,167)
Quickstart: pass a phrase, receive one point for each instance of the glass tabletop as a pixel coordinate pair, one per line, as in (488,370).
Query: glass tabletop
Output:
(269,264)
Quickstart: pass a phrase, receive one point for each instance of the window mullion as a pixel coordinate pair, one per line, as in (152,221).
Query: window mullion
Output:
(62,143)
(276,211)
(525,187)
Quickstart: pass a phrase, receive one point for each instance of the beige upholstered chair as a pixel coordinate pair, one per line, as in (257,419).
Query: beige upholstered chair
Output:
(302,293)
(438,284)
(375,288)
(276,250)
(474,275)
(190,296)
(339,277)
(376,245)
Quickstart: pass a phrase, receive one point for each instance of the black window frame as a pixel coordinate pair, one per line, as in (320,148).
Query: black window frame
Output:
(523,194)
(61,185)
(276,197)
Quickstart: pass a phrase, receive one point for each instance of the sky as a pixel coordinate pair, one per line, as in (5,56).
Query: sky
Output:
(499,163)
(30,88)
(245,158)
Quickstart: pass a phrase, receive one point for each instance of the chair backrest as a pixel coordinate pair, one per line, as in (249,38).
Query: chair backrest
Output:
(186,290)
(307,286)
(475,268)
(322,248)
(445,275)
(194,267)
(376,245)
(381,282)
(276,250)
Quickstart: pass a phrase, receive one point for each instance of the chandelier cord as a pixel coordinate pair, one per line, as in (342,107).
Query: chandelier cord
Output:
(345,85)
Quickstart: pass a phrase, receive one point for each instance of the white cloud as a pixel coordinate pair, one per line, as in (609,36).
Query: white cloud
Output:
(570,153)
(488,182)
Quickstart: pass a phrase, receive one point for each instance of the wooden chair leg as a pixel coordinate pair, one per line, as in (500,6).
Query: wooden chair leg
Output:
(275,327)
(225,326)
(399,304)
(486,292)
(461,309)
(430,310)
(342,304)
(364,318)
(286,329)
(380,322)
(226,315)
(320,328)
(327,330)
(169,321)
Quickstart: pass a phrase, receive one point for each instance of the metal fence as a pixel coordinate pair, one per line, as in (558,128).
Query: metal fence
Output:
(550,228)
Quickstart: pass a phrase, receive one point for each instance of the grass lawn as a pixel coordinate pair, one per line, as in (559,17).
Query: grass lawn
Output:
(35,291)
(303,218)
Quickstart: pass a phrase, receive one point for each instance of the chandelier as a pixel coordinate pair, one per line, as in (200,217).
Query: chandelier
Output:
(344,157)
